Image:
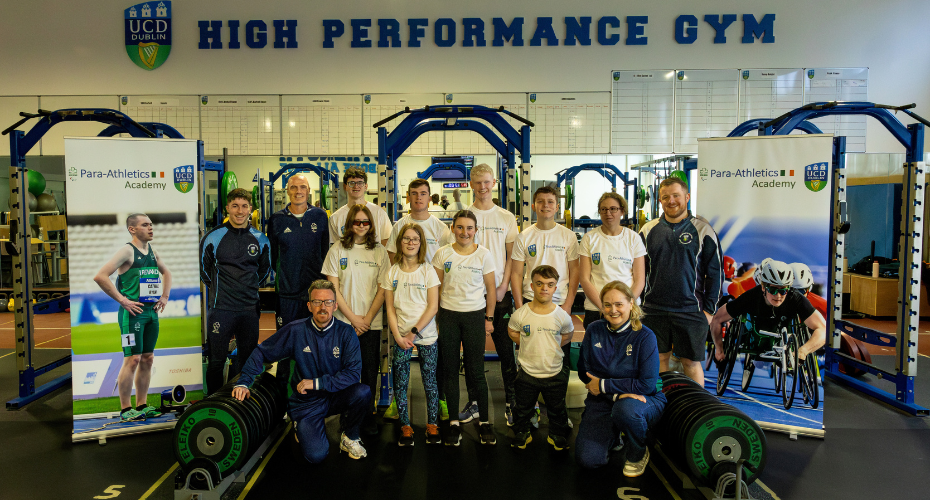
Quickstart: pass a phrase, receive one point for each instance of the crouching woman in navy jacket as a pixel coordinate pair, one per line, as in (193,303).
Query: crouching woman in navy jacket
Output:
(325,380)
(619,364)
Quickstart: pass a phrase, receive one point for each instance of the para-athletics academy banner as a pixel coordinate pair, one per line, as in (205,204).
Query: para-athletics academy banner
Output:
(765,197)
(126,355)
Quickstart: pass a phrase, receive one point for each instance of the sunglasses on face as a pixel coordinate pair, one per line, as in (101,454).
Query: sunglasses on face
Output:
(363,223)
(777,291)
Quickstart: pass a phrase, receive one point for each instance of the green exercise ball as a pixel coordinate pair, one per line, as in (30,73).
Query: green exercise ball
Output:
(46,203)
(228,184)
(680,175)
(35,182)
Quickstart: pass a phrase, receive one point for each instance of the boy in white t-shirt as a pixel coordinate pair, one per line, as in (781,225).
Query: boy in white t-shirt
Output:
(355,183)
(436,231)
(541,328)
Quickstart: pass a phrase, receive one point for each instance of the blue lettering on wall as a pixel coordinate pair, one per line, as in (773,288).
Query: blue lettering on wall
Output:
(686,29)
(473,35)
(720,26)
(285,29)
(543,30)
(360,33)
(512,33)
(210,34)
(763,29)
(234,34)
(602,37)
(417,31)
(578,29)
(636,29)
(332,28)
(256,34)
(447,25)
(388,28)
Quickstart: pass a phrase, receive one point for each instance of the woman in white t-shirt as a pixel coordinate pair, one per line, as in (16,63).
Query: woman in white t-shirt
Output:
(355,264)
(610,252)
(466,316)
(412,283)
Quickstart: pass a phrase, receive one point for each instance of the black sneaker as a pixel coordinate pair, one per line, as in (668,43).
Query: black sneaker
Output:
(453,435)
(558,442)
(521,439)
(486,433)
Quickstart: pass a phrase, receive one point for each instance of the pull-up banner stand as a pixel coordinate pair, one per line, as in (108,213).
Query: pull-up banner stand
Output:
(769,196)
(133,233)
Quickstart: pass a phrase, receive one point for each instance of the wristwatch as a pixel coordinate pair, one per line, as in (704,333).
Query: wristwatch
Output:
(489,318)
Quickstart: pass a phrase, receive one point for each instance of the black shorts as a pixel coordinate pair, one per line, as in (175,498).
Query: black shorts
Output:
(682,332)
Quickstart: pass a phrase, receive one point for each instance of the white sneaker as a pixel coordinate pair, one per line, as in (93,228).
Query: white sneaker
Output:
(353,448)
(636,469)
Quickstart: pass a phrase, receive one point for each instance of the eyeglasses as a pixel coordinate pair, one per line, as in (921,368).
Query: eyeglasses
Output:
(407,239)
(363,223)
(612,210)
(774,290)
(327,303)
(353,184)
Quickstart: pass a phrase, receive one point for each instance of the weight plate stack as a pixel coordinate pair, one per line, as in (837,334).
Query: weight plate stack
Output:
(698,431)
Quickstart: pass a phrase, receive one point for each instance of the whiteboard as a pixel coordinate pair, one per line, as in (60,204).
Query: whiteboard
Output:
(706,105)
(179,111)
(245,124)
(642,111)
(376,107)
(839,84)
(461,142)
(769,93)
(321,124)
(570,123)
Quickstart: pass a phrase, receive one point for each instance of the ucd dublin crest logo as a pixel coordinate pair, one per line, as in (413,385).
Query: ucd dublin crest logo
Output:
(184,178)
(394,285)
(526,330)
(148,33)
(596,258)
(815,176)
(532,250)
(343,263)
(447,266)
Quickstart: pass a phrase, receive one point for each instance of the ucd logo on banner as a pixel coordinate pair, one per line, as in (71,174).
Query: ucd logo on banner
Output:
(815,176)
(148,33)
(184,178)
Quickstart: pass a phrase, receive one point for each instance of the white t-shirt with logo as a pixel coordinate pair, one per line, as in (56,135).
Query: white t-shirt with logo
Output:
(541,339)
(555,247)
(435,230)
(611,257)
(496,228)
(410,298)
(463,287)
(381,223)
(359,271)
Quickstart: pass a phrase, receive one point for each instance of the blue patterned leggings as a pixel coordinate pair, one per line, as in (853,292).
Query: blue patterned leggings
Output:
(428,356)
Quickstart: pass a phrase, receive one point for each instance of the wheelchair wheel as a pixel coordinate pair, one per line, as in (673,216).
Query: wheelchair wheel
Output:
(731,343)
(789,379)
(749,367)
(710,353)
(807,378)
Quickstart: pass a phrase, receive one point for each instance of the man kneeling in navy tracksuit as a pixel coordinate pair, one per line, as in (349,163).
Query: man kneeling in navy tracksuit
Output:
(325,378)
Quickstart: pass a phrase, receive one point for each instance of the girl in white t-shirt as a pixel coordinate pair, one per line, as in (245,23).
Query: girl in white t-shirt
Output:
(610,252)
(412,283)
(355,265)
(466,315)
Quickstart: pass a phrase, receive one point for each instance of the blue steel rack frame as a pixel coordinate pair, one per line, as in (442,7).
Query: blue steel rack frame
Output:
(910,252)
(287,171)
(609,172)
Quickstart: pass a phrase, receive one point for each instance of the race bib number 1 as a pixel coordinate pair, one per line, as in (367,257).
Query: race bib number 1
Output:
(129,340)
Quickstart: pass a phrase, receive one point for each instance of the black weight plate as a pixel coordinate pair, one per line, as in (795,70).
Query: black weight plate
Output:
(212,430)
(727,426)
(252,425)
(265,405)
(694,410)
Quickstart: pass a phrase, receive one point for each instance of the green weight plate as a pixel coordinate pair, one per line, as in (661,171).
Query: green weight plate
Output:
(255,197)
(212,430)
(245,408)
(227,184)
(679,175)
(725,434)
(569,196)
(519,189)
(697,412)
(641,197)
(324,197)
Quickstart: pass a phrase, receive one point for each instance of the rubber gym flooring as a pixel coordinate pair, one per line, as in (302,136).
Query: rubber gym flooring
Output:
(869,451)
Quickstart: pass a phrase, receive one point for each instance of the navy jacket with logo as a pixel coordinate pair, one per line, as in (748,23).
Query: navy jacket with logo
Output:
(683,265)
(233,262)
(298,247)
(330,356)
(626,361)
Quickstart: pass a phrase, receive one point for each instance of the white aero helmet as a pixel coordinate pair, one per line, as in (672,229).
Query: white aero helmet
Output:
(775,273)
(802,276)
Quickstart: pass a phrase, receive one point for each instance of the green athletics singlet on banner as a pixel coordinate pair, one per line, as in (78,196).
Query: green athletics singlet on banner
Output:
(141,282)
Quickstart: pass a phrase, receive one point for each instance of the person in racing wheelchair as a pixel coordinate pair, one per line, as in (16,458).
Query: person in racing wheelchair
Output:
(763,311)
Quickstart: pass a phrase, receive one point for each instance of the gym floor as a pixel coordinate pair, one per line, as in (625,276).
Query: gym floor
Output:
(870,451)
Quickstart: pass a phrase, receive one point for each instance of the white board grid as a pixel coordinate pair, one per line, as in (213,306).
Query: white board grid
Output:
(839,84)
(321,124)
(180,111)
(471,143)
(569,123)
(642,111)
(706,105)
(769,93)
(381,106)
(245,124)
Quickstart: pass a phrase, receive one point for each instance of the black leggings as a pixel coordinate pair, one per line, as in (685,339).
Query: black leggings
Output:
(467,329)
(370,344)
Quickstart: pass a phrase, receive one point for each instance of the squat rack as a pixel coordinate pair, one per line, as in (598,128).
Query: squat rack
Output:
(609,172)
(909,254)
(287,171)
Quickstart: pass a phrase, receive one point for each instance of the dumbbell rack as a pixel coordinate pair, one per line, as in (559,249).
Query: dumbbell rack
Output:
(182,481)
